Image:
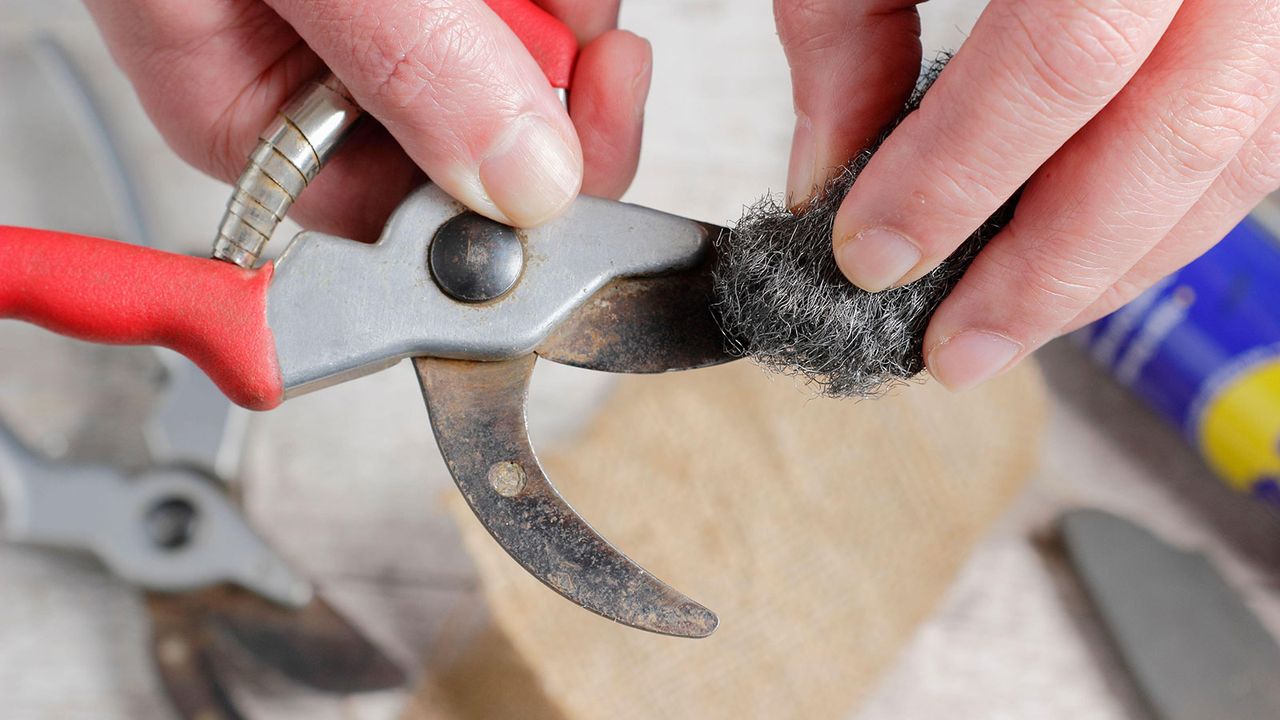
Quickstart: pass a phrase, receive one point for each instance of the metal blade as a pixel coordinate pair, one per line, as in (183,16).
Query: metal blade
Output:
(178,650)
(1192,646)
(312,645)
(643,325)
(478,414)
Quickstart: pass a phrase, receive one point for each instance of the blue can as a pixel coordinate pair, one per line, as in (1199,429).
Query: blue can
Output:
(1203,348)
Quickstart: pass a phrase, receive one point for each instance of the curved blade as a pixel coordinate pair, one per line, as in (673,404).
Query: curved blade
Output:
(644,325)
(478,415)
(178,650)
(312,645)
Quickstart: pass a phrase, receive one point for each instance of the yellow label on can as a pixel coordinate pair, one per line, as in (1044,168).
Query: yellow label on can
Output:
(1239,430)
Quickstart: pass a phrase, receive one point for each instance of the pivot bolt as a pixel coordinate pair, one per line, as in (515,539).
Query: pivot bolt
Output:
(171,523)
(474,259)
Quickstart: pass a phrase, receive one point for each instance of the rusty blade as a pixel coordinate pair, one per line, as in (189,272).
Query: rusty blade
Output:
(312,645)
(478,415)
(644,325)
(179,648)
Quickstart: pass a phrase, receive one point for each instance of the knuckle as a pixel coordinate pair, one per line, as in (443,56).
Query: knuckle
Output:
(1115,33)
(444,49)
(1050,285)
(1209,128)
(963,184)
(1081,55)
(1190,147)
(1220,113)
(1118,294)
(810,26)
(1256,170)
(1191,134)
(1261,160)
(1256,22)
(1055,295)
(604,146)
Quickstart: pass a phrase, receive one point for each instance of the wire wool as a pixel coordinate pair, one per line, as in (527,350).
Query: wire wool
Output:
(782,300)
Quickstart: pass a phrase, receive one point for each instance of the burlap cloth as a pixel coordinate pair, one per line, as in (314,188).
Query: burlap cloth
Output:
(822,532)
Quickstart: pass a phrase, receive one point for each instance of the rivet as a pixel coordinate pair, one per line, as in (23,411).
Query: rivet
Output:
(173,651)
(507,478)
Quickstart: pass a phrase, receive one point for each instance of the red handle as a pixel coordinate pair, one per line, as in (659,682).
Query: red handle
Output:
(109,292)
(550,42)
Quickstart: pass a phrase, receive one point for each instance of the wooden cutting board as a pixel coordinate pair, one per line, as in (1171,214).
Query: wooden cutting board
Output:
(821,531)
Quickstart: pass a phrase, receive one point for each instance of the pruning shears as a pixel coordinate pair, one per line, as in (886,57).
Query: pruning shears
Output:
(608,286)
(173,531)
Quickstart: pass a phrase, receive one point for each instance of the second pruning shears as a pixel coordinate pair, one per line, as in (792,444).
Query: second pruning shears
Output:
(607,286)
(223,604)
(173,530)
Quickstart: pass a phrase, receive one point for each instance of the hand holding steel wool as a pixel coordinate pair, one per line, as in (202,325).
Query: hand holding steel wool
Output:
(782,300)
(1136,134)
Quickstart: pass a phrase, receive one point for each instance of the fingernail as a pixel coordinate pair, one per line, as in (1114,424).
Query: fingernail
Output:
(804,158)
(530,173)
(970,358)
(877,258)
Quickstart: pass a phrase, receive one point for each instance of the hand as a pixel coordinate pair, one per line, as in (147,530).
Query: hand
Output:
(456,94)
(1143,130)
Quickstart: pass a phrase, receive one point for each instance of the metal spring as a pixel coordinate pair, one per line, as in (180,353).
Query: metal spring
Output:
(289,154)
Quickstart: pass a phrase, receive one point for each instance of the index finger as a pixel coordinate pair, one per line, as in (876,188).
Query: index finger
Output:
(853,64)
(1032,73)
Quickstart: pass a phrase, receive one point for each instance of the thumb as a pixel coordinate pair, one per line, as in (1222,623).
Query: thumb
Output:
(459,92)
(853,65)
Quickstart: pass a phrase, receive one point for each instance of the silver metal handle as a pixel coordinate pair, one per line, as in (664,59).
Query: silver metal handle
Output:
(169,529)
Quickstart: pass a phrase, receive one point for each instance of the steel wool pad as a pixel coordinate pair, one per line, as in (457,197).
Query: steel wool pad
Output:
(781,300)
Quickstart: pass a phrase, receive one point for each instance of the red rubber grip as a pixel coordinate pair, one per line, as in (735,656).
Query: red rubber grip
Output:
(550,42)
(110,292)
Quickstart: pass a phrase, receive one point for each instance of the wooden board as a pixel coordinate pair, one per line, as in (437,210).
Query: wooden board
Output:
(821,531)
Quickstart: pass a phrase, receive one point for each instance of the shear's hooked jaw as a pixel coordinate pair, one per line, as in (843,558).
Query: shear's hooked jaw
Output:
(478,414)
